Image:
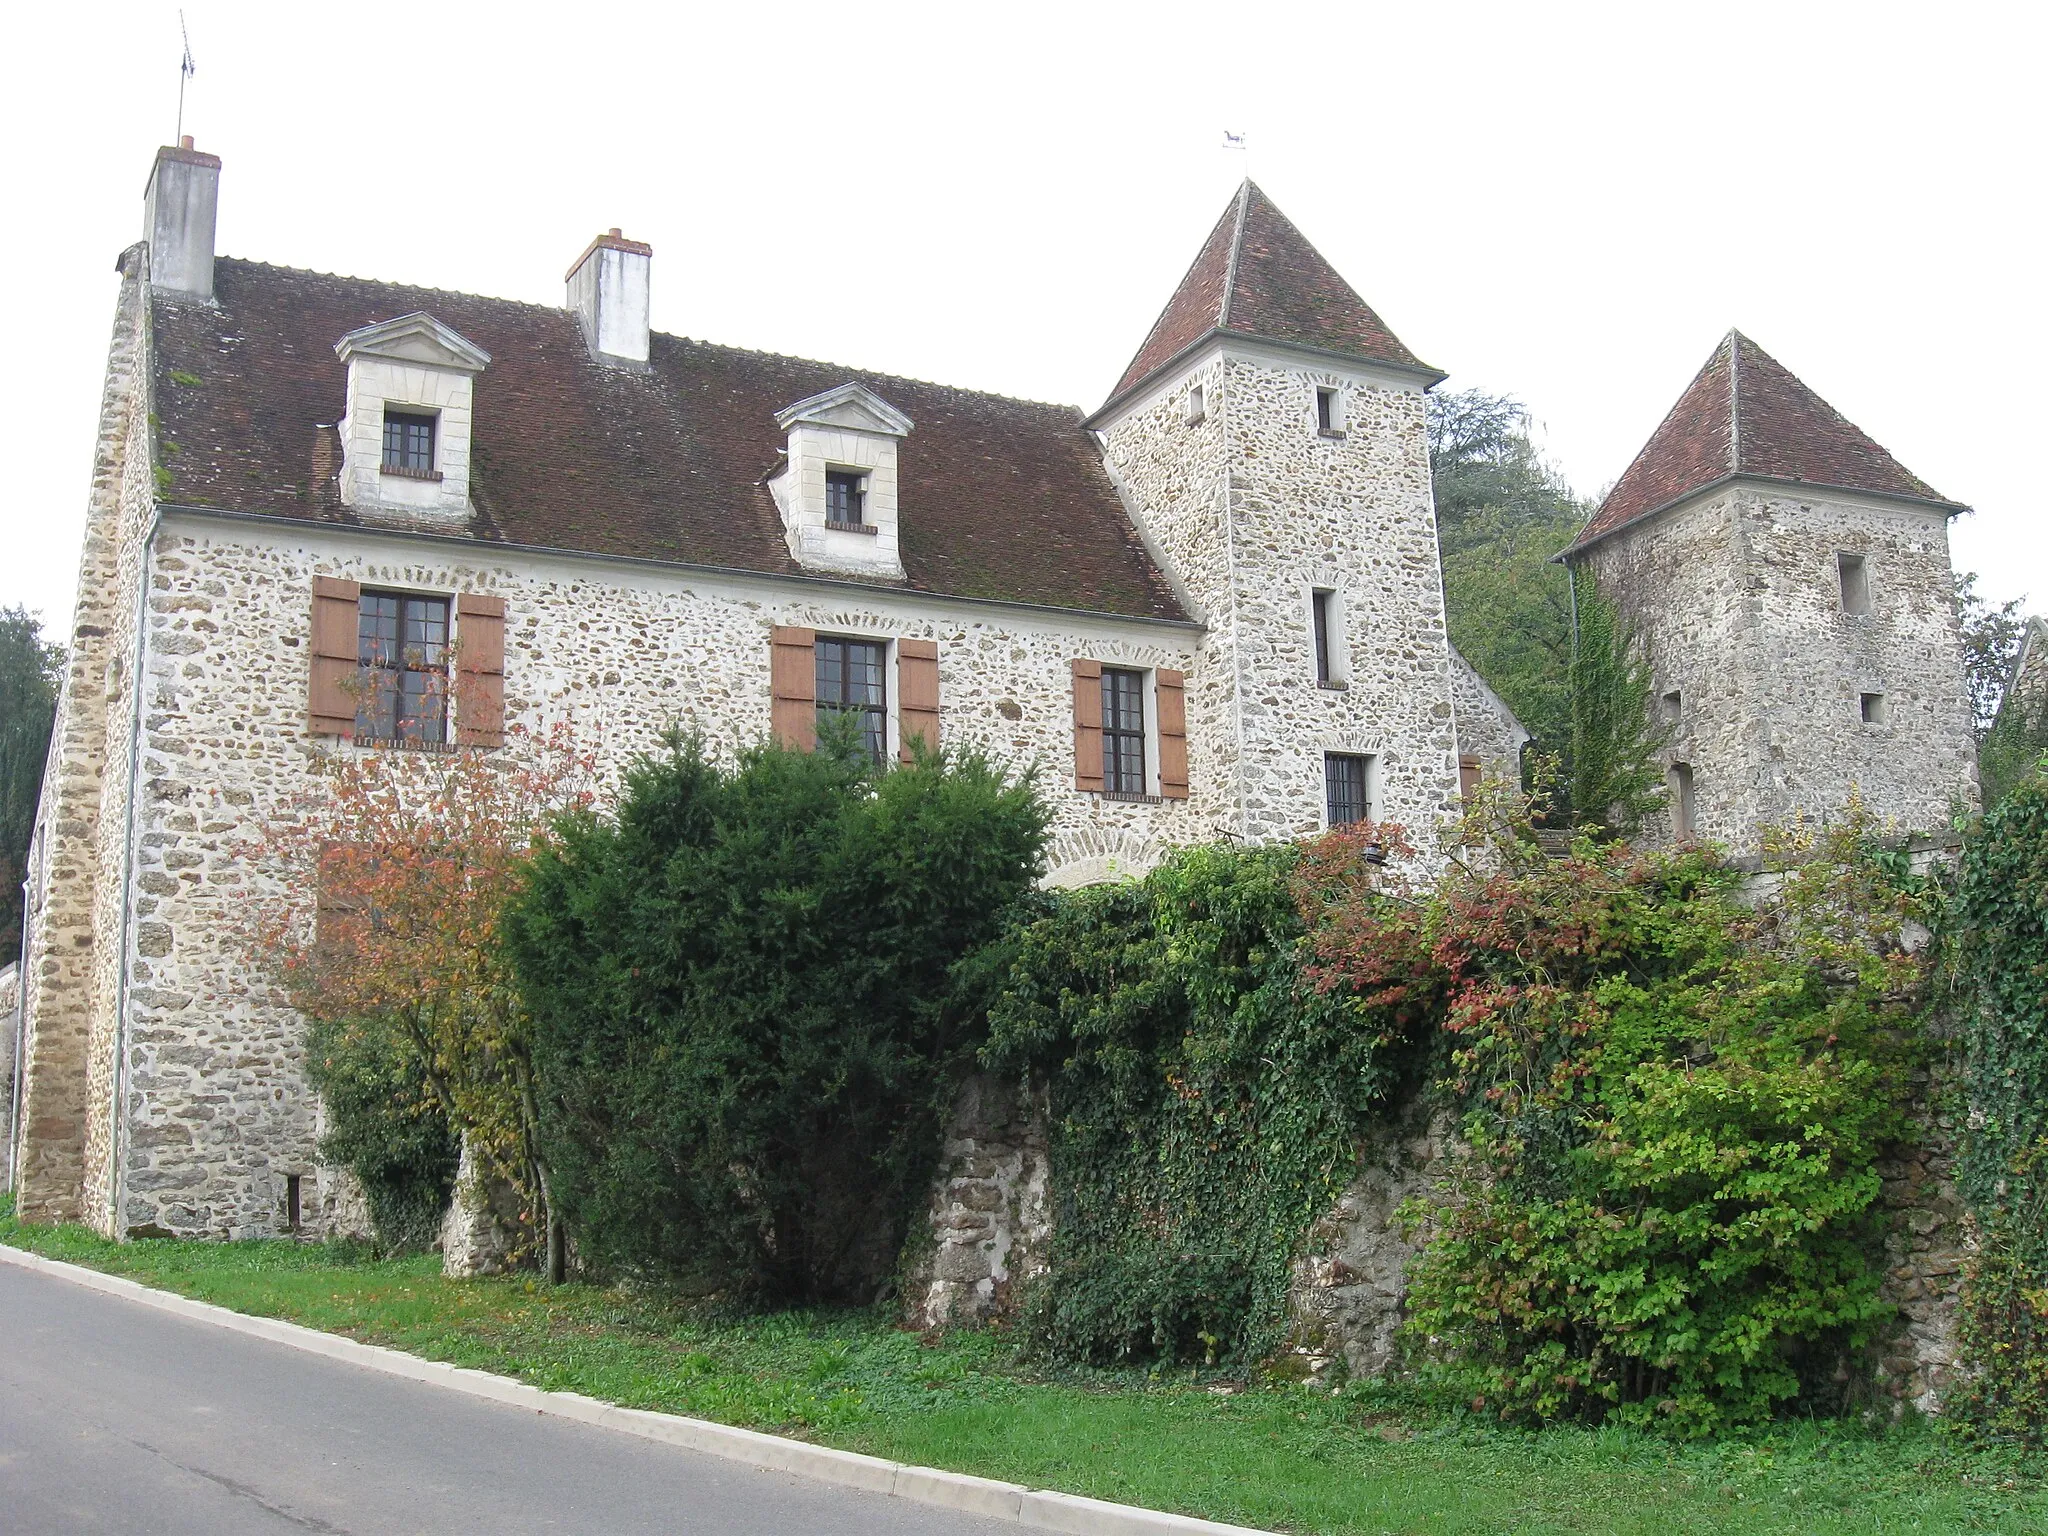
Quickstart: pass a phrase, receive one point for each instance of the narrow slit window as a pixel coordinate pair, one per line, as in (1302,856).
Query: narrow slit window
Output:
(1854,572)
(1123,731)
(1874,711)
(845,498)
(1322,604)
(1329,412)
(402,668)
(1347,788)
(1678,782)
(408,443)
(1197,405)
(1673,707)
(292,1212)
(850,682)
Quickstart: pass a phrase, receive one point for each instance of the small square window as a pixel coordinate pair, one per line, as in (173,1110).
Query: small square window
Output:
(1197,405)
(1874,710)
(1347,788)
(408,443)
(1855,578)
(845,498)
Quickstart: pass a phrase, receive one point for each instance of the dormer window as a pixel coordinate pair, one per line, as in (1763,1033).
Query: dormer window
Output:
(836,486)
(408,443)
(405,435)
(845,498)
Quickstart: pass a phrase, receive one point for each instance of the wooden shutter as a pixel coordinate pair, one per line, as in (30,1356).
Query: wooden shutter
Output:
(1088,725)
(917,694)
(479,670)
(331,691)
(1170,691)
(1468,777)
(793,683)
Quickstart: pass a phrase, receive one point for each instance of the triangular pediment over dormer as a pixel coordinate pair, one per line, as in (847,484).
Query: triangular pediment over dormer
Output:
(850,407)
(415,338)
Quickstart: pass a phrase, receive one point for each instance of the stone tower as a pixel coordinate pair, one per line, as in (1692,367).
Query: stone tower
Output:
(1790,580)
(1270,441)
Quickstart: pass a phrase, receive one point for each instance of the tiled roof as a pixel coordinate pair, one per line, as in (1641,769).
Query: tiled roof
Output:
(1257,276)
(1745,413)
(1000,499)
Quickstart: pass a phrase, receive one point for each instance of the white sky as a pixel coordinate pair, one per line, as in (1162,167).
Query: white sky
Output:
(1568,203)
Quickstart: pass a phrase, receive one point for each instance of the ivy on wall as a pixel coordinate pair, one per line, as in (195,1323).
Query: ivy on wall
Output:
(1998,947)
(1206,1101)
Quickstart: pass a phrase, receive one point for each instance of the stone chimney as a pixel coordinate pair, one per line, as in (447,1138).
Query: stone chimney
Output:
(608,292)
(178,214)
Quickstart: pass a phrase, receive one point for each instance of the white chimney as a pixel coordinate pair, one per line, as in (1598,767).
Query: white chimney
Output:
(178,217)
(608,292)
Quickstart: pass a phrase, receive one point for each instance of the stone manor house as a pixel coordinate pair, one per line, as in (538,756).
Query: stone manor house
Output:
(1211,607)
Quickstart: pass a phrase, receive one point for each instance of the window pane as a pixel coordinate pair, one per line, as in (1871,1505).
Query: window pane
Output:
(1123,731)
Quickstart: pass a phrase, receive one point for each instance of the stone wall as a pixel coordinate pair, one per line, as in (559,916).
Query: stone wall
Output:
(69,968)
(989,1221)
(10,1001)
(1738,600)
(217,1112)
(1487,728)
(1253,509)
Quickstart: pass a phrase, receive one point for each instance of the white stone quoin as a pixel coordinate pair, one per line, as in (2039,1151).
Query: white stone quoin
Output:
(416,365)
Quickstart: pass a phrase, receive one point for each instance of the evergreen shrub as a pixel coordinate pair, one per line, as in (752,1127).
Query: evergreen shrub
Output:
(747,1013)
(385,1125)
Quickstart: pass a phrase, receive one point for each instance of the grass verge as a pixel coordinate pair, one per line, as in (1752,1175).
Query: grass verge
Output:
(1360,1462)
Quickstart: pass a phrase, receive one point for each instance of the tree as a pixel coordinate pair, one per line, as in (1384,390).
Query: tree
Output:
(1502,515)
(1991,644)
(379,916)
(748,1021)
(30,670)
(1612,774)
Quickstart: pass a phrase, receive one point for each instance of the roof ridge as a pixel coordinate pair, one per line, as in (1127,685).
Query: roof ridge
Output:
(1733,342)
(1244,202)
(700,341)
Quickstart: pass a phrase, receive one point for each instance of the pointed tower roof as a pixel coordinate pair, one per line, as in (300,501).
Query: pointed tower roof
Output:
(1745,413)
(1257,276)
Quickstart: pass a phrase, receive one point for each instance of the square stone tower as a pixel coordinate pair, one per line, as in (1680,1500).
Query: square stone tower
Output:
(1270,442)
(1790,580)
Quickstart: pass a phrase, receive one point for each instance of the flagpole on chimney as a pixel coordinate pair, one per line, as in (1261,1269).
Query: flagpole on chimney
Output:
(186,70)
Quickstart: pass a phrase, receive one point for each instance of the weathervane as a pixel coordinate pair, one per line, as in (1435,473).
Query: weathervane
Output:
(186,70)
(1239,142)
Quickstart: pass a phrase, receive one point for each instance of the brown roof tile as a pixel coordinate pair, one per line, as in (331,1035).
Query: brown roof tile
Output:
(1000,499)
(1745,413)
(1258,276)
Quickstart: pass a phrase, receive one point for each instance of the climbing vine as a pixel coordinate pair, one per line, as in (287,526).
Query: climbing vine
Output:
(1998,949)
(1206,1101)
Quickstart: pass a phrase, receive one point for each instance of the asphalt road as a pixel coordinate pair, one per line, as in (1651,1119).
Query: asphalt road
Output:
(115,1417)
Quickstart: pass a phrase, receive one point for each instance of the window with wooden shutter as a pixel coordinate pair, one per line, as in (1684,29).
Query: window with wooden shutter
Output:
(1469,773)
(1088,725)
(480,670)
(917,694)
(1170,691)
(793,687)
(331,690)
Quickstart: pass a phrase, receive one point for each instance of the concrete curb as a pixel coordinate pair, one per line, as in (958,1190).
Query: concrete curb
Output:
(1039,1509)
